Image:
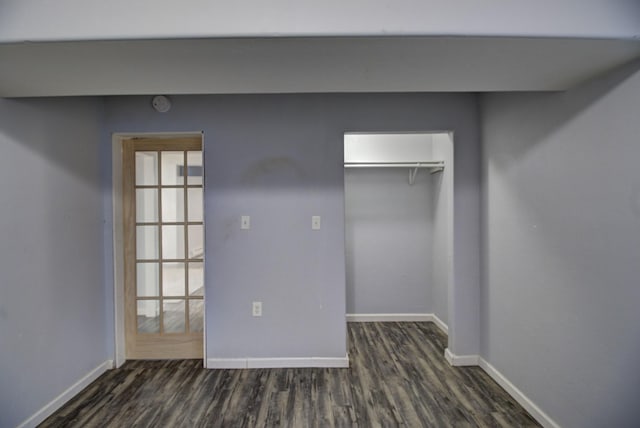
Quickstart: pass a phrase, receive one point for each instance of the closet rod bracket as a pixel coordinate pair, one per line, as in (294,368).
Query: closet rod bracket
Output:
(412,174)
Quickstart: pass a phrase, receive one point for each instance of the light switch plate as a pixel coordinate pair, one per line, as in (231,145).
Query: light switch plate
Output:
(256,309)
(245,222)
(315,222)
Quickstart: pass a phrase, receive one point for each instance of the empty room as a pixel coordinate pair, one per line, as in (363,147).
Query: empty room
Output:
(329,214)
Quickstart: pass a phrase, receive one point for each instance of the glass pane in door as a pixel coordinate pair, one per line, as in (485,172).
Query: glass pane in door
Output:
(196,243)
(173,275)
(147,242)
(146,168)
(172,205)
(196,310)
(173,242)
(194,168)
(146,205)
(172,168)
(148,316)
(174,316)
(196,279)
(195,204)
(148,279)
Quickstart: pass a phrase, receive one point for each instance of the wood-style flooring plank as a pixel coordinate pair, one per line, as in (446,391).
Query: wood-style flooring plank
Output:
(398,377)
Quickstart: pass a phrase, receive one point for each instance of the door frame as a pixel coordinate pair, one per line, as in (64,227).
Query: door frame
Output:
(117,139)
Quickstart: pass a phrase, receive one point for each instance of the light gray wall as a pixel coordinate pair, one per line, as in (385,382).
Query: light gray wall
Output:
(389,241)
(442,227)
(52,308)
(560,298)
(279,159)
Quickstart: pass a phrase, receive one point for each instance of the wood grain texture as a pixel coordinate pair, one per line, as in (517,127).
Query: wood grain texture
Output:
(398,377)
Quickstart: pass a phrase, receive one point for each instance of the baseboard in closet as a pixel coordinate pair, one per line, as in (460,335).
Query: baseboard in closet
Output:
(398,318)
(270,363)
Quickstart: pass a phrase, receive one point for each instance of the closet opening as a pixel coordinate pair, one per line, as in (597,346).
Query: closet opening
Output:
(399,226)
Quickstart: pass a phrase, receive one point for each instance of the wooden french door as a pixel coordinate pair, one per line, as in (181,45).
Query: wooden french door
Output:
(164,247)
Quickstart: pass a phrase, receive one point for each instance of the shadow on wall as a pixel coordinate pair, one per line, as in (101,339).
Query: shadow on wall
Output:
(551,111)
(273,170)
(561,216)
(41,124)
(547,154)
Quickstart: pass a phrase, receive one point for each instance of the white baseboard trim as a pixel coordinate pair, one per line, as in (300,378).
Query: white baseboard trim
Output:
(68,394)
(398,318)
(439,323)
(523,400)
(255,363)
(388,317)
(226,363)
(517,395)
(461,360)
(270,363)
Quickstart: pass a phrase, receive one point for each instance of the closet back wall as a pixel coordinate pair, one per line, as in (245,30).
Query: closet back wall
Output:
(389,227)
(279,159)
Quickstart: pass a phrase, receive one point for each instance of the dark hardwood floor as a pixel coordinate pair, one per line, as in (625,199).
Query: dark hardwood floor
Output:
(398,376)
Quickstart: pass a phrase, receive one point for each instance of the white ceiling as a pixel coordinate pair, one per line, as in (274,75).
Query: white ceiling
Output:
(320,64)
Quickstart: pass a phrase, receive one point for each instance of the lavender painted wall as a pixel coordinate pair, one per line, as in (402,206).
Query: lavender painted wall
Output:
(52,309)
(560,293)
(278,158)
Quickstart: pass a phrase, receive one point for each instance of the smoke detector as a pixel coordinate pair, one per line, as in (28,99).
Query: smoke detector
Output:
(161,103)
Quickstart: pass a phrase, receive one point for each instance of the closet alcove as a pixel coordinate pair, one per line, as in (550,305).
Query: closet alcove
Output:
(399,225)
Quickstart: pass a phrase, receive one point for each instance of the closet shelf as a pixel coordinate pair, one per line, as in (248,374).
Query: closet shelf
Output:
(433,166)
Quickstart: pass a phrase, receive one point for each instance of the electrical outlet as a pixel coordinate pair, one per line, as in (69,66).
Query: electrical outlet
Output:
(257,309)
(315,222)
(245,222)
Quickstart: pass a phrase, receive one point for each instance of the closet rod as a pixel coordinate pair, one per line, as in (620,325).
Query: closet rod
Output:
(436,164)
